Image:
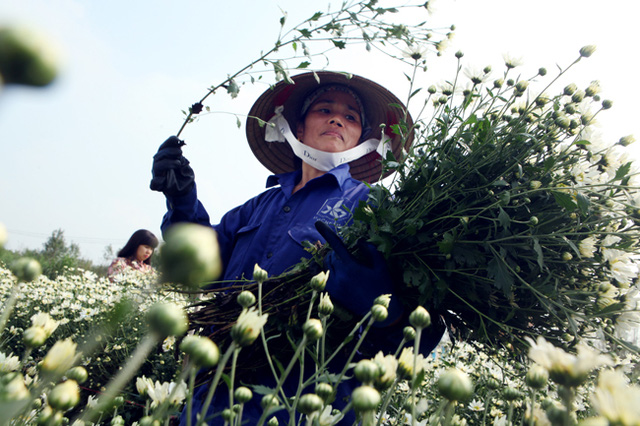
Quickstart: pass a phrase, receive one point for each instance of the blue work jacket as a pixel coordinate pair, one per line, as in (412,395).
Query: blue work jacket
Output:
(270,228)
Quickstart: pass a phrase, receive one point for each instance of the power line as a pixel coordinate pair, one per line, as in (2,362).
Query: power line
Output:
(74,239)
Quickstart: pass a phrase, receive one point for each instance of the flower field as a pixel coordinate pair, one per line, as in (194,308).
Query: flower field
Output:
(509,221)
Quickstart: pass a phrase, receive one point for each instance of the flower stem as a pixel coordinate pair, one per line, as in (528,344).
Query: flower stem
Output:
(123,377)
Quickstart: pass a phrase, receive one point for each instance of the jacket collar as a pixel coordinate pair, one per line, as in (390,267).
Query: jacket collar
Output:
(287,181)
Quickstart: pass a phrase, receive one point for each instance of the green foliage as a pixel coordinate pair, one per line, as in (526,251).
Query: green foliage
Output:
(56,256)
(495,192)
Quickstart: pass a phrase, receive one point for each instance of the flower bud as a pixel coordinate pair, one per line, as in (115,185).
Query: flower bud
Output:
(312,328)
(26,269)
(60,357)
(79,374)
(65,395)
(566,256)
(116,421)
(511,394)
(542,71)
(533,221)
(27,56)
(409,333)
(319,281)
(228,415)
(420,318)
(522,85)
(367,371)
(593,88)
(432,89)
(118,401)
(273,421)
(365,398)
(587,51)
(167,319)
(190,255)
(48,417)
(325,306)
(259,274)
(379,313)
(567,337)
(459,54)
(570,108)
(246,299)
(247,329)
(243,394)
(578,96)
(201,350)
(324,390)
(535,184)
(383,299)
(493,383)
(498,83)
(309,403)
(149,421)
(269,401)
(455,385)
(12,387)
(487,69)
(606,104)
(570,89)
(626,140)
(563,122)
(34,337)
(537,377)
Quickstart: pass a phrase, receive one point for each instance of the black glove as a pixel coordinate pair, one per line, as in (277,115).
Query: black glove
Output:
(356,283)
(171,173)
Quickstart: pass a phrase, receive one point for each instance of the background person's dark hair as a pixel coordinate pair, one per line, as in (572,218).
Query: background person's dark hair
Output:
(140,237)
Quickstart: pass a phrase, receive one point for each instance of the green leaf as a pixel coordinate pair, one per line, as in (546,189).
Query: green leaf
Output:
(238,122)
(564,200)
(415,92)
(383,243)
(622,171)
(572,245)
(538,250)
(446,245)
(614,308)
(262,389)
(583,203)
(502,277)
(305,32)
(303,65)
(339,44)
(504,219)
(316,16)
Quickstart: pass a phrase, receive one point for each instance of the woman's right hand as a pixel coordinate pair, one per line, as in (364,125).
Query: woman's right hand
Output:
(171,173)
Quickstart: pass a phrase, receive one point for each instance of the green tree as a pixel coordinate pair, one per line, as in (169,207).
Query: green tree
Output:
(57,254)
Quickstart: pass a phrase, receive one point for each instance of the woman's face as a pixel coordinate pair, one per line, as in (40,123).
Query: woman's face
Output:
(144,252)
(332,123)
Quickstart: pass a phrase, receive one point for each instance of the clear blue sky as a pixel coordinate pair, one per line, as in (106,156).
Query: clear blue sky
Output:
(77,155)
